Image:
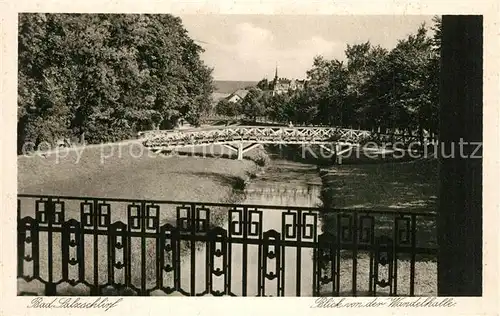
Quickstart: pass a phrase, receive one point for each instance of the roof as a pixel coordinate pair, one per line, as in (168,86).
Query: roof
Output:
(241,93)
(283,80)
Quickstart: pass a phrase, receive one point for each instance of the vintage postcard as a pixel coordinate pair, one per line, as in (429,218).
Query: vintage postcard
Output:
(158,157)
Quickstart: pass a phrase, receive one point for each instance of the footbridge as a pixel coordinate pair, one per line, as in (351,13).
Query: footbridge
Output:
(241,139)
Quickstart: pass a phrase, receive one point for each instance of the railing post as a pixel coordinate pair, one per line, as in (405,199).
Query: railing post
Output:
(192,223)
(21,236)
(142,214)
(240,151)
(95,241)
(299,252)
(338,157)
(50,287)
(355,236)
(244,271)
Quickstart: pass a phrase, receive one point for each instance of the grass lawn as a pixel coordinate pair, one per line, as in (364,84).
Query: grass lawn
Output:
(121,171)
(399,186)
(425,278)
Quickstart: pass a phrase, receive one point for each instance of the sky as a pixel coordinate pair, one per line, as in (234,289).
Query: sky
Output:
(248,47)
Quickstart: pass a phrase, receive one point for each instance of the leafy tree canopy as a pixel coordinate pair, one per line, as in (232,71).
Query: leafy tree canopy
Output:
(107,76)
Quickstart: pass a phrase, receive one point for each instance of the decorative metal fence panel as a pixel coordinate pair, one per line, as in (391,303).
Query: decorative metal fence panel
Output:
(101,246)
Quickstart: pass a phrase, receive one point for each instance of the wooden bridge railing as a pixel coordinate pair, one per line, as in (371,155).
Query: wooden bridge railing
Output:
(260,134)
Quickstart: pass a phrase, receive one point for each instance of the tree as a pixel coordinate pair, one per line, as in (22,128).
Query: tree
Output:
(324,99)
(279,108)
(226,108)
(107,75)
(433,78)
(252,107)
(264,84)
(396,89)
(436,38)
(411,100)
(364,62)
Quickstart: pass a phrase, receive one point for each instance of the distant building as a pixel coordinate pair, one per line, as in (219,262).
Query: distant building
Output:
(284,85)
(237,96)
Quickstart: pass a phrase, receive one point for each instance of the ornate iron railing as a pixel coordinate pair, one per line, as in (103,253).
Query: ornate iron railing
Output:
(104,246)
(265,134)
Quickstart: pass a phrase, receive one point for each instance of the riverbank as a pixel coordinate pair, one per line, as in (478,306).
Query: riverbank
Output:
(129,171)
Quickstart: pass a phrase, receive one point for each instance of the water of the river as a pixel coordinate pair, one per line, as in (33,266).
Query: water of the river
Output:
(284,183)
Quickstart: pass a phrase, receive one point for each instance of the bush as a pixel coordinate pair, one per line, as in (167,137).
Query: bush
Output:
(239,184)
(261,158)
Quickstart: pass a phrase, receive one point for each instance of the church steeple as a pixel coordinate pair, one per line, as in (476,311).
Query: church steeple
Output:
(276,73)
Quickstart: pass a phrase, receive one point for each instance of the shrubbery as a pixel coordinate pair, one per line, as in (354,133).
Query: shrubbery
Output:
(261,158)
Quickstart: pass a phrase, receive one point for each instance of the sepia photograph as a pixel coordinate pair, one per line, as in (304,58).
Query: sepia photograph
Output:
(250,155)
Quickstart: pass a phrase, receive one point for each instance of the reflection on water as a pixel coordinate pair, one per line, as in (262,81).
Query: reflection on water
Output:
(284,183)
(284,196)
